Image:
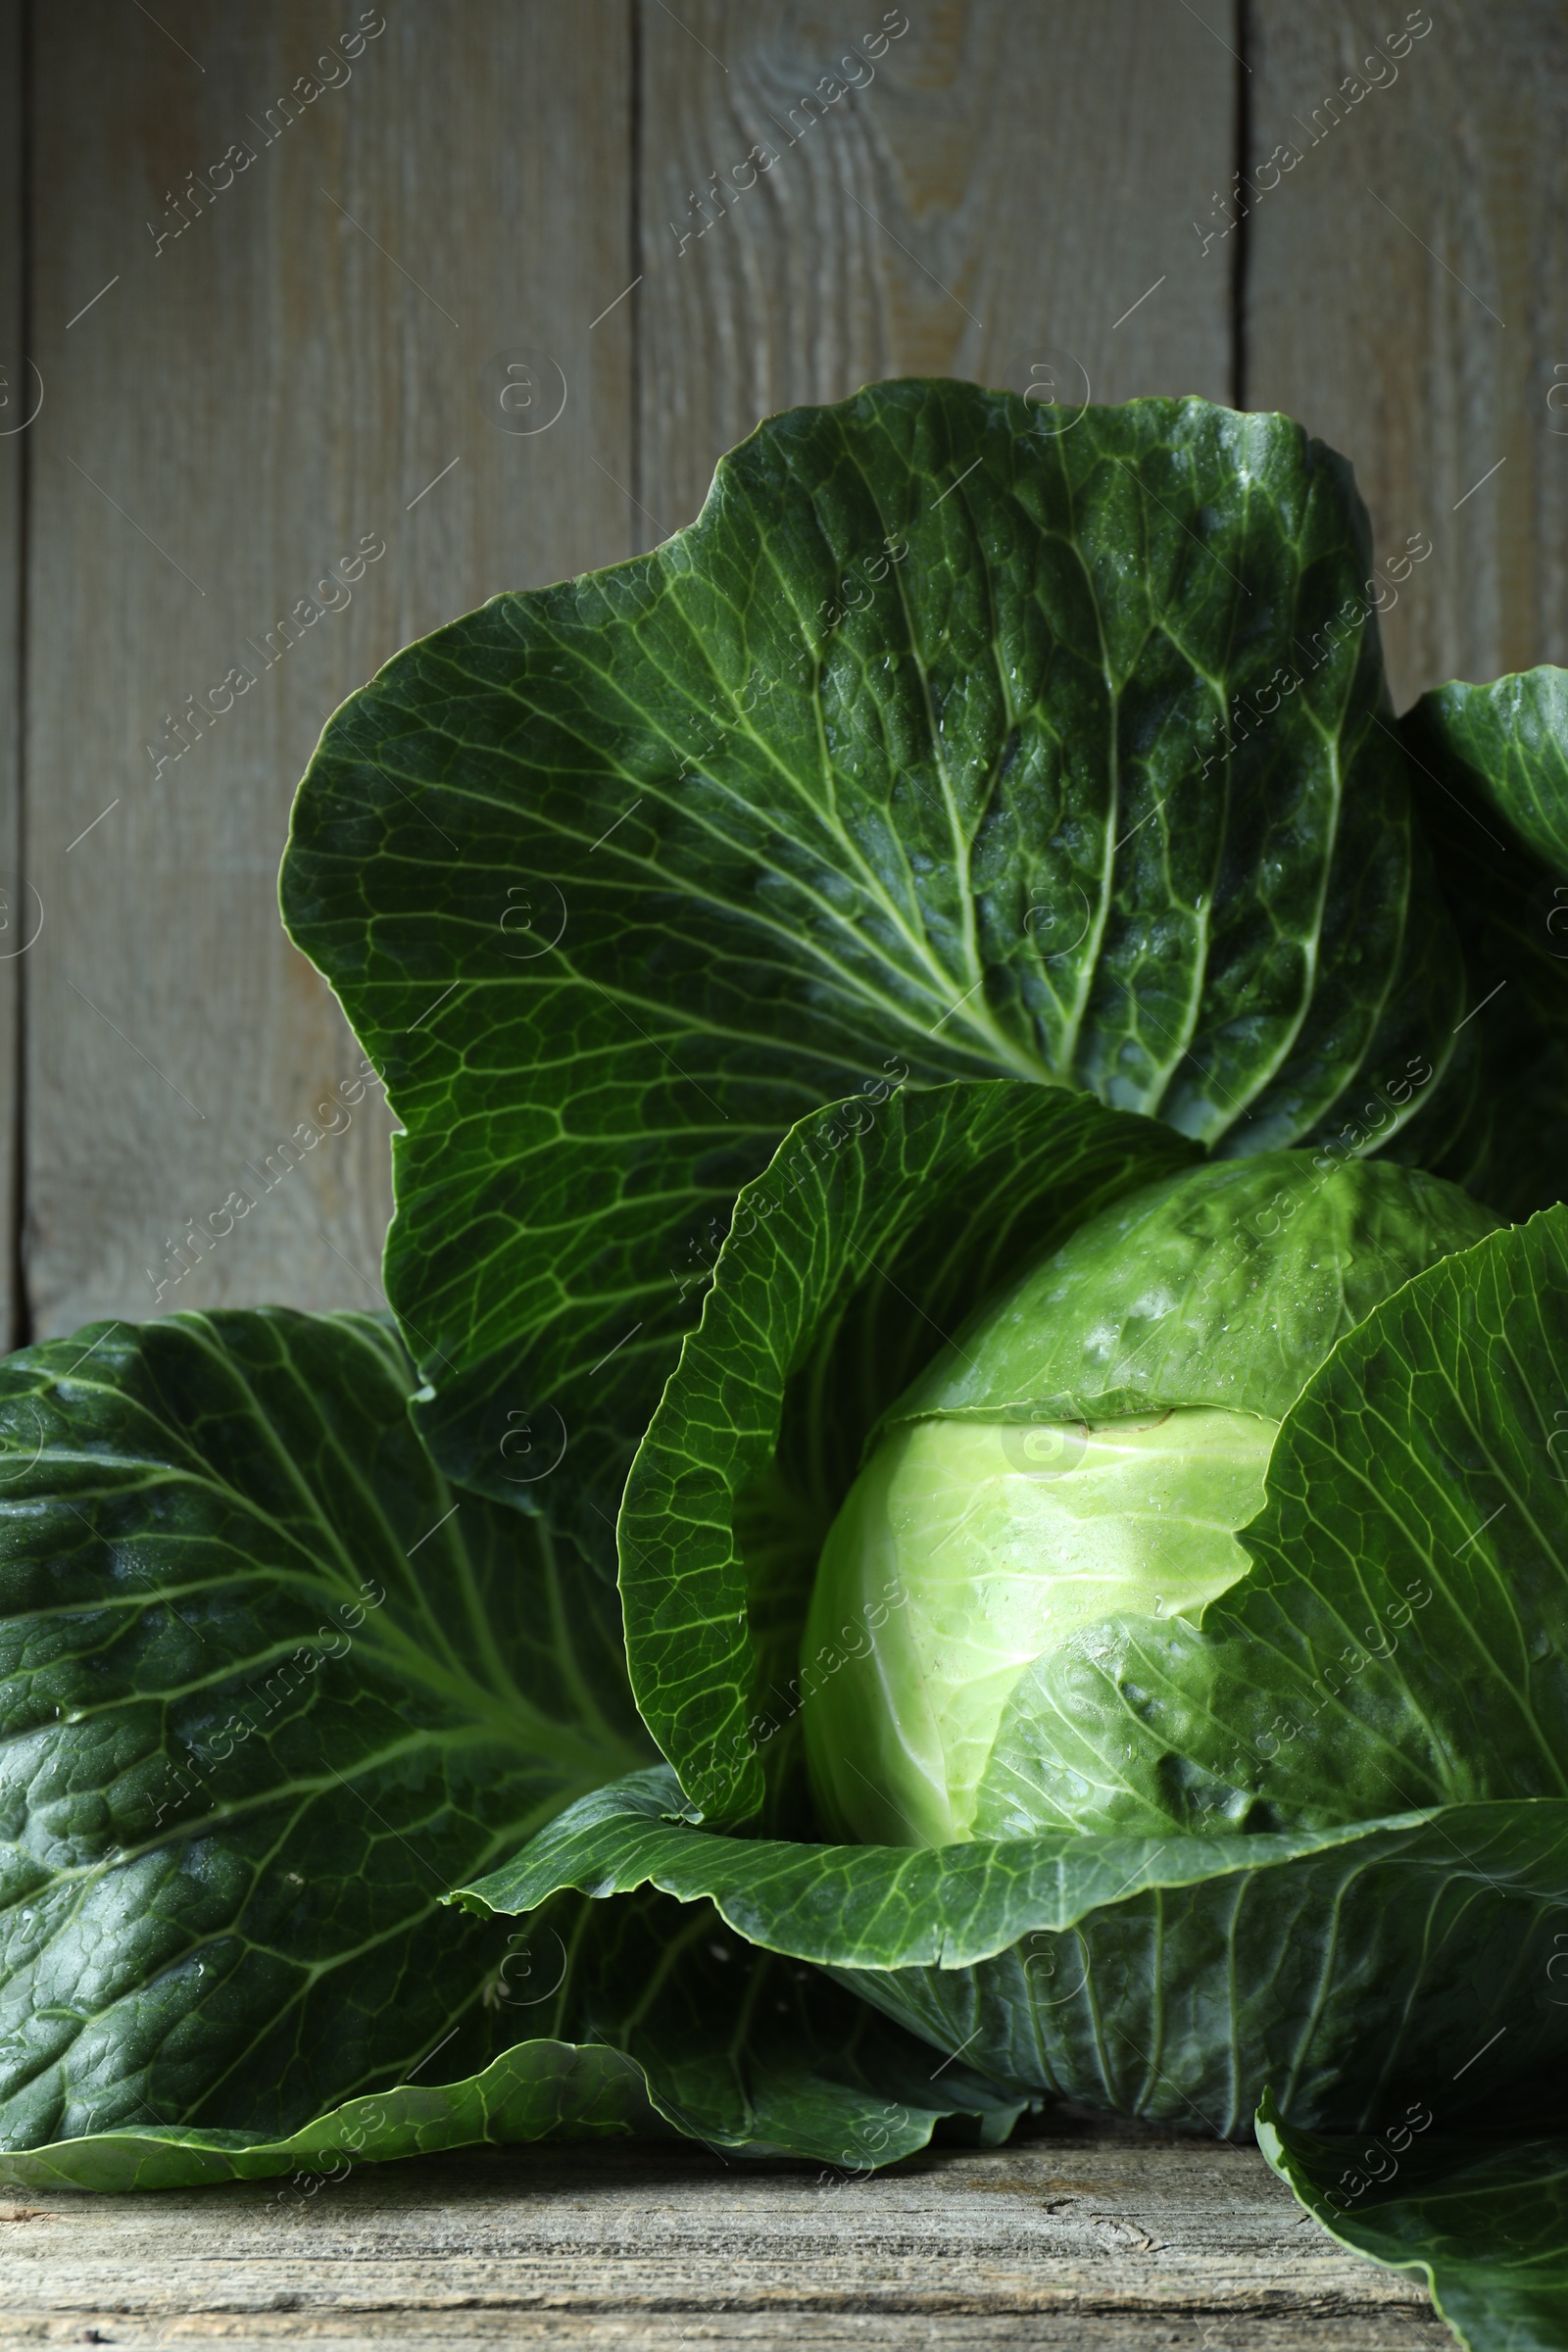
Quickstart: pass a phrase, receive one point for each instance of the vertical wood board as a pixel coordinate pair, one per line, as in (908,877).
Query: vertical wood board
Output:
(303,363)
(20,395)
(1408,298)
(996,194)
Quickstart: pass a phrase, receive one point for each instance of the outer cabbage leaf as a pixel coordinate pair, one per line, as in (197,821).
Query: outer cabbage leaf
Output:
(1483,2223)
(932,746)
(1488,768)
(269,1687)
(1511,738)
(756,2052)
(1176,1979)
(847,1263)
(646,2017)
(534,2090)
(266,1686)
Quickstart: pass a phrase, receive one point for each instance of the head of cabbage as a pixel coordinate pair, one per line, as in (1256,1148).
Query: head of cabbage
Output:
(1085,1449)
(1179,1551)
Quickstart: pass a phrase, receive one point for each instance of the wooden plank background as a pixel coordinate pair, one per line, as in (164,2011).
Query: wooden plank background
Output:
(19,395)
(242,381)
(239,408)
(1087,2240)
(249,374)
(1406,297)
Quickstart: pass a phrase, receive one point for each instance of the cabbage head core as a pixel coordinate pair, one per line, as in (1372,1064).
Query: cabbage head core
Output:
(1086,1447)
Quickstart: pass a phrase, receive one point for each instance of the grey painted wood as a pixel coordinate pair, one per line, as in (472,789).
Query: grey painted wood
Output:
(1094,2236)
(1408,298)
(991,192)
(309,363)
(1005,192)
(20,393)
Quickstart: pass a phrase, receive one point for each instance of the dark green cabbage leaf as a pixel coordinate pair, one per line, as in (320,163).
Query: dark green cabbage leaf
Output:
(1175,1978)
(266,1682)
(1481,2222)
(641,2017)
(947,742)
(268,1687)
(1489,770)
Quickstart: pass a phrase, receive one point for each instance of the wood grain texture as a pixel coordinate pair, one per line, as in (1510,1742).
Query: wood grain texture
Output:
(1408,298)
(1000,188)
(238,408)
(1095,2236)
(18,394)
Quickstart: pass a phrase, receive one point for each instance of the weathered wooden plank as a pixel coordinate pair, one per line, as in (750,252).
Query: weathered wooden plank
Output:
(990,195)
(306,368)
(1095,2236)
(1408,298)
(19,397)
(729,2330)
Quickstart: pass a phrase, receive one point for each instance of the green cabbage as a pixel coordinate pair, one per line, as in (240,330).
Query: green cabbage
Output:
(976,1542)
(901,1054)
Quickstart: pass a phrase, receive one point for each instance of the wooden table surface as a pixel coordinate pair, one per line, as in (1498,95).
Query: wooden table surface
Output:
(1084,2237)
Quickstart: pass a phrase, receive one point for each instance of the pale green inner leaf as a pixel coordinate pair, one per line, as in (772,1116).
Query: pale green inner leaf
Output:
(968,1550)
